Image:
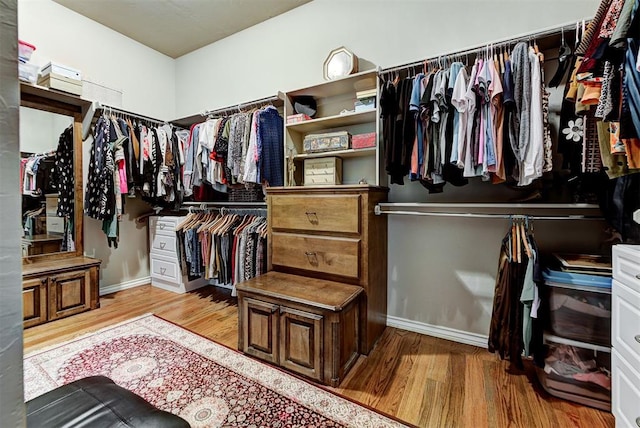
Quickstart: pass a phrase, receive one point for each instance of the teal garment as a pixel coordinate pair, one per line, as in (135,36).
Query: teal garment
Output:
(526,297)
(110,228)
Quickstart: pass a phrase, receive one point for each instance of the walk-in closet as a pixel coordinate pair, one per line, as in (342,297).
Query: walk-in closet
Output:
(320,213)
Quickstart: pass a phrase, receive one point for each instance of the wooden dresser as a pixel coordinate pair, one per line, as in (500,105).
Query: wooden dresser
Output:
(55,289)
(332,233)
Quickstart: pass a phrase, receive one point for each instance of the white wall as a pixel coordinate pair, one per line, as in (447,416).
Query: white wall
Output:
(146,79)
(441,270)
(287,52)
(40,130)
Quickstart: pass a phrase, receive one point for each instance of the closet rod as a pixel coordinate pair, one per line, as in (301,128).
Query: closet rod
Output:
(504,42)
(96,106)
(500,216)
(225,204)
(239,107)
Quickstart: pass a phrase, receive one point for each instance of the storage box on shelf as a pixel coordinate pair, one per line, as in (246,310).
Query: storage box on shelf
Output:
(336,113)
(577,371)
(579,306)
(625,336)
(322,171)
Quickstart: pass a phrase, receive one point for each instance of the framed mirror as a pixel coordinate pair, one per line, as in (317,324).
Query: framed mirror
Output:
(51,178)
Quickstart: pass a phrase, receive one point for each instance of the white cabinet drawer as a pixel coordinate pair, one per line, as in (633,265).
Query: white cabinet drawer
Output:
(163,224)
(625,385)
(165,269)
(625,332)
(164,245)
(626,265)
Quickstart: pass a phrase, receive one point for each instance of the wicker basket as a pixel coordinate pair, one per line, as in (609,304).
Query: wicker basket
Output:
(246,193)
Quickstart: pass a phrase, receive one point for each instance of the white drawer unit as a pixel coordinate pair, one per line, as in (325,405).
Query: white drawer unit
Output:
(625,336)
(626,265)
(625,393)
(164,259)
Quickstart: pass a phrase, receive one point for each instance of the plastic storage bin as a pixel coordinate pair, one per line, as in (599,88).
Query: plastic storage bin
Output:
(27,72)
(25,50)
(577,371)
(578,306)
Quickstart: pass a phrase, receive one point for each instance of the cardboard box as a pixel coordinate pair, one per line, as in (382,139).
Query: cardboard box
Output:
(361,141)
(61,83)
(62,70)
(322,171)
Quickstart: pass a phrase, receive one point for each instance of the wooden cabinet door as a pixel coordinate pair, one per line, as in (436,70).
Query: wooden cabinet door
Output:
(34,301)
(69,293)
(260,329)
(301,342)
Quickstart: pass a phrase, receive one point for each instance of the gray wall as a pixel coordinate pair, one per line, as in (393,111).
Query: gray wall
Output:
(441,270)
(11,391)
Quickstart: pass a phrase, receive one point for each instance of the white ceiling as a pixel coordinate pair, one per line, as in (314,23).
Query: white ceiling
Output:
(177,27)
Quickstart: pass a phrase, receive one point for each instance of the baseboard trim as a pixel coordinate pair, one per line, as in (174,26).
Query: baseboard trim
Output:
(452,334)
(125,285)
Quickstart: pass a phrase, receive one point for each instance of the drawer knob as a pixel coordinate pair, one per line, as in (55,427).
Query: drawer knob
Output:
(637,338)
(162,245)
(161,226)
(312,217)
(162,270)
(312,257)
(638,276)
(43,281)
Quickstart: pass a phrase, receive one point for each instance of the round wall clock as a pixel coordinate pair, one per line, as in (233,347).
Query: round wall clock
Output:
(340,62)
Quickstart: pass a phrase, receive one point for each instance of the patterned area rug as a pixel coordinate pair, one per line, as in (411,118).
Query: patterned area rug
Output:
(207,384)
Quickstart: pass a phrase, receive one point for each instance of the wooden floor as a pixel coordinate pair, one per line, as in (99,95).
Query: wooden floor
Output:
(422,380)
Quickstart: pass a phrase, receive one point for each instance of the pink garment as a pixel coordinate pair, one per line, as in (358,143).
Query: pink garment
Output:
(122,173)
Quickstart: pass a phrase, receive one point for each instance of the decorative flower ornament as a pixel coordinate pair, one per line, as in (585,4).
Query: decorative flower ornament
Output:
(574,130)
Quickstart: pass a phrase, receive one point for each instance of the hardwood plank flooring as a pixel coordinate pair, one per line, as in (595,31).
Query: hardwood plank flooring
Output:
(419,379)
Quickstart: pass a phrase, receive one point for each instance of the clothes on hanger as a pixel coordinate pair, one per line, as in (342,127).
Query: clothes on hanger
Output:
(229,247)
(35,174)
(600,116)
(245,147)
(512,332)
(449,124)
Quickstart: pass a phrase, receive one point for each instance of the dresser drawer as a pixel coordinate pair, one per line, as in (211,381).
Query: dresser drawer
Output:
(336,256)
(164,245)
(625,332)
(165,269)
(626,265)
(323,213)
(625,394)
(165,225)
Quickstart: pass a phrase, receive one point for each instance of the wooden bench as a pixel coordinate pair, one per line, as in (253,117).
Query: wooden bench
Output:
(306,325)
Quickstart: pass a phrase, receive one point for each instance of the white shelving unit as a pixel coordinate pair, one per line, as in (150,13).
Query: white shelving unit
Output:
(335,112)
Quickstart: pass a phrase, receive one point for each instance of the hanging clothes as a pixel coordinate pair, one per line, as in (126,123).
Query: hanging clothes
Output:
(229,248)
(516,301)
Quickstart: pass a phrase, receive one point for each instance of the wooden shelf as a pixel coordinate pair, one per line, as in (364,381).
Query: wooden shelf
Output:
(349,153)
(330,122)
(355,82)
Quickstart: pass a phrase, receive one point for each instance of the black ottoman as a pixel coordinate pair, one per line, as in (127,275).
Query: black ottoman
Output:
(96,402)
